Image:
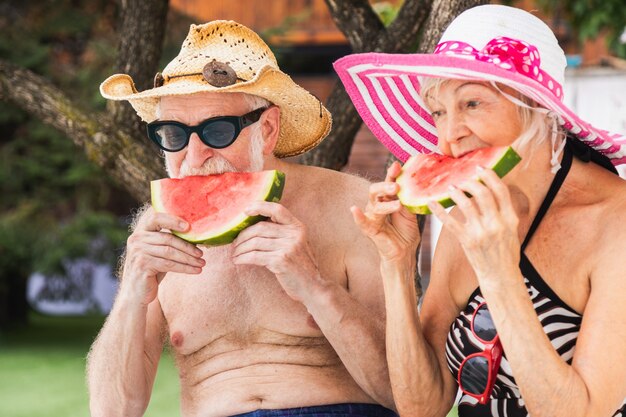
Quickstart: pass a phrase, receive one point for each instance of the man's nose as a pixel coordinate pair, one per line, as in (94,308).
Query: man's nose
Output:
(197,152)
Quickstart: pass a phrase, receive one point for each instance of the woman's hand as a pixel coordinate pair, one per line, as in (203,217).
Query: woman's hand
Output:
(488,229)
(391,227)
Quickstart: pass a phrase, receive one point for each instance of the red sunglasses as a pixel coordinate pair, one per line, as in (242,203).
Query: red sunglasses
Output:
(477,373)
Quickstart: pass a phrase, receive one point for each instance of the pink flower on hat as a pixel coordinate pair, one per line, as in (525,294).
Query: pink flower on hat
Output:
(509,54)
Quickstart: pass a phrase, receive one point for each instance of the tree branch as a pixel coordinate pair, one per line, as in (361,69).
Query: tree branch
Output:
(129,162)
(442,14)
(351,16)
(142,30)
(403,32)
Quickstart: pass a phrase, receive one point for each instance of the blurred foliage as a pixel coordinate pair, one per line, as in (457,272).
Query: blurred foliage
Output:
(95,235)
(71,42)
(284,50)
(590,18)
(386,11)
(16,238)
(55,205)
(288,24)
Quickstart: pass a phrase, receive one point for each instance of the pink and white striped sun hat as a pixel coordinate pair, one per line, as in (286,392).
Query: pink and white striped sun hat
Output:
(488,43)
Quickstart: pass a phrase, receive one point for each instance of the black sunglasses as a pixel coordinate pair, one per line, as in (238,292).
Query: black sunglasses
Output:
(216,132)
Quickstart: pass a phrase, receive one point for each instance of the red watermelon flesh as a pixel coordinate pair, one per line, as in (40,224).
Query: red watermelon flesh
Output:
(213,205)
(426,178)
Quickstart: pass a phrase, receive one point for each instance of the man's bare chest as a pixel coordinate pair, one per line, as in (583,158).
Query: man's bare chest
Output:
(228,301)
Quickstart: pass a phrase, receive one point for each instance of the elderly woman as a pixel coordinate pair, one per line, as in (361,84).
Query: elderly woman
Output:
(527,297)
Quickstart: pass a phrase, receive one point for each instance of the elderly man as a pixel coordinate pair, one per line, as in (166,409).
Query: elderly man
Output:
(286,320)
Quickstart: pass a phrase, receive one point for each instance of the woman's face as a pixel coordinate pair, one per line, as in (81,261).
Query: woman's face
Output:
(470,115)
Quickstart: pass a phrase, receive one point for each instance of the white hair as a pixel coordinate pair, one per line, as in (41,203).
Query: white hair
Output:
(255,102)
(538,123)
(257,143)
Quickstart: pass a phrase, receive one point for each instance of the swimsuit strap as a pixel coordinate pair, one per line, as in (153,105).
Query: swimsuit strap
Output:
(586,154)
(566,164)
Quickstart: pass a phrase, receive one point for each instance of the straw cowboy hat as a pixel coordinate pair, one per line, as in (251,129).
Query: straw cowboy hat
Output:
(226,57)
(488,43)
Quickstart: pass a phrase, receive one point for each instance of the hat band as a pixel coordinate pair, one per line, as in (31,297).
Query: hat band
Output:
(510,54)
(218,74)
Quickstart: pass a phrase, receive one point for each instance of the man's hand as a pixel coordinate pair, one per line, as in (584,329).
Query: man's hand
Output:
(280,244)
(152,251)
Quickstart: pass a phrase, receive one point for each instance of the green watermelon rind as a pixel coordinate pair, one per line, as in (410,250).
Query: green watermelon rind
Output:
(418,205)
(227,234)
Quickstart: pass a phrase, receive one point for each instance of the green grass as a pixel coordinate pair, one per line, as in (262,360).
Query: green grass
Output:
(42,370)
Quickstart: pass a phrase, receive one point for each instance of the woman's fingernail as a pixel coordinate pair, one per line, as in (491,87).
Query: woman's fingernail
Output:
(182,225)
(390,188)
(480,168)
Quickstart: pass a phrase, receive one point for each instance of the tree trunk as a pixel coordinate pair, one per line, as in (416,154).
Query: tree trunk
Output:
(141,34)
(442,14)
(333,152)
(365,32)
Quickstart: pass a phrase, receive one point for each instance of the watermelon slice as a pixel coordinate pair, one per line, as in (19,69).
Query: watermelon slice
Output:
(213,205)
(428,177)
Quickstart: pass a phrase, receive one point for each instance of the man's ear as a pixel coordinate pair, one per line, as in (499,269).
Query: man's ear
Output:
(270,127)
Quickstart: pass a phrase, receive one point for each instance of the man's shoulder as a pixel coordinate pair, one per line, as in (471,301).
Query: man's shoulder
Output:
(336,181)
(330,193)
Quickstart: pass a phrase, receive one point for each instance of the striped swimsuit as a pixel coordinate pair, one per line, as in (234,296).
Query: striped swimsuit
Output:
(560,322)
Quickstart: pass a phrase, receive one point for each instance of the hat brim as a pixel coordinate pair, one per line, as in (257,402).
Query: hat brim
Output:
(304,121)
(385,91)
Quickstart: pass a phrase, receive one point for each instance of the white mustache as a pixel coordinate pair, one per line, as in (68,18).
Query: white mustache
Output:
(215,165)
